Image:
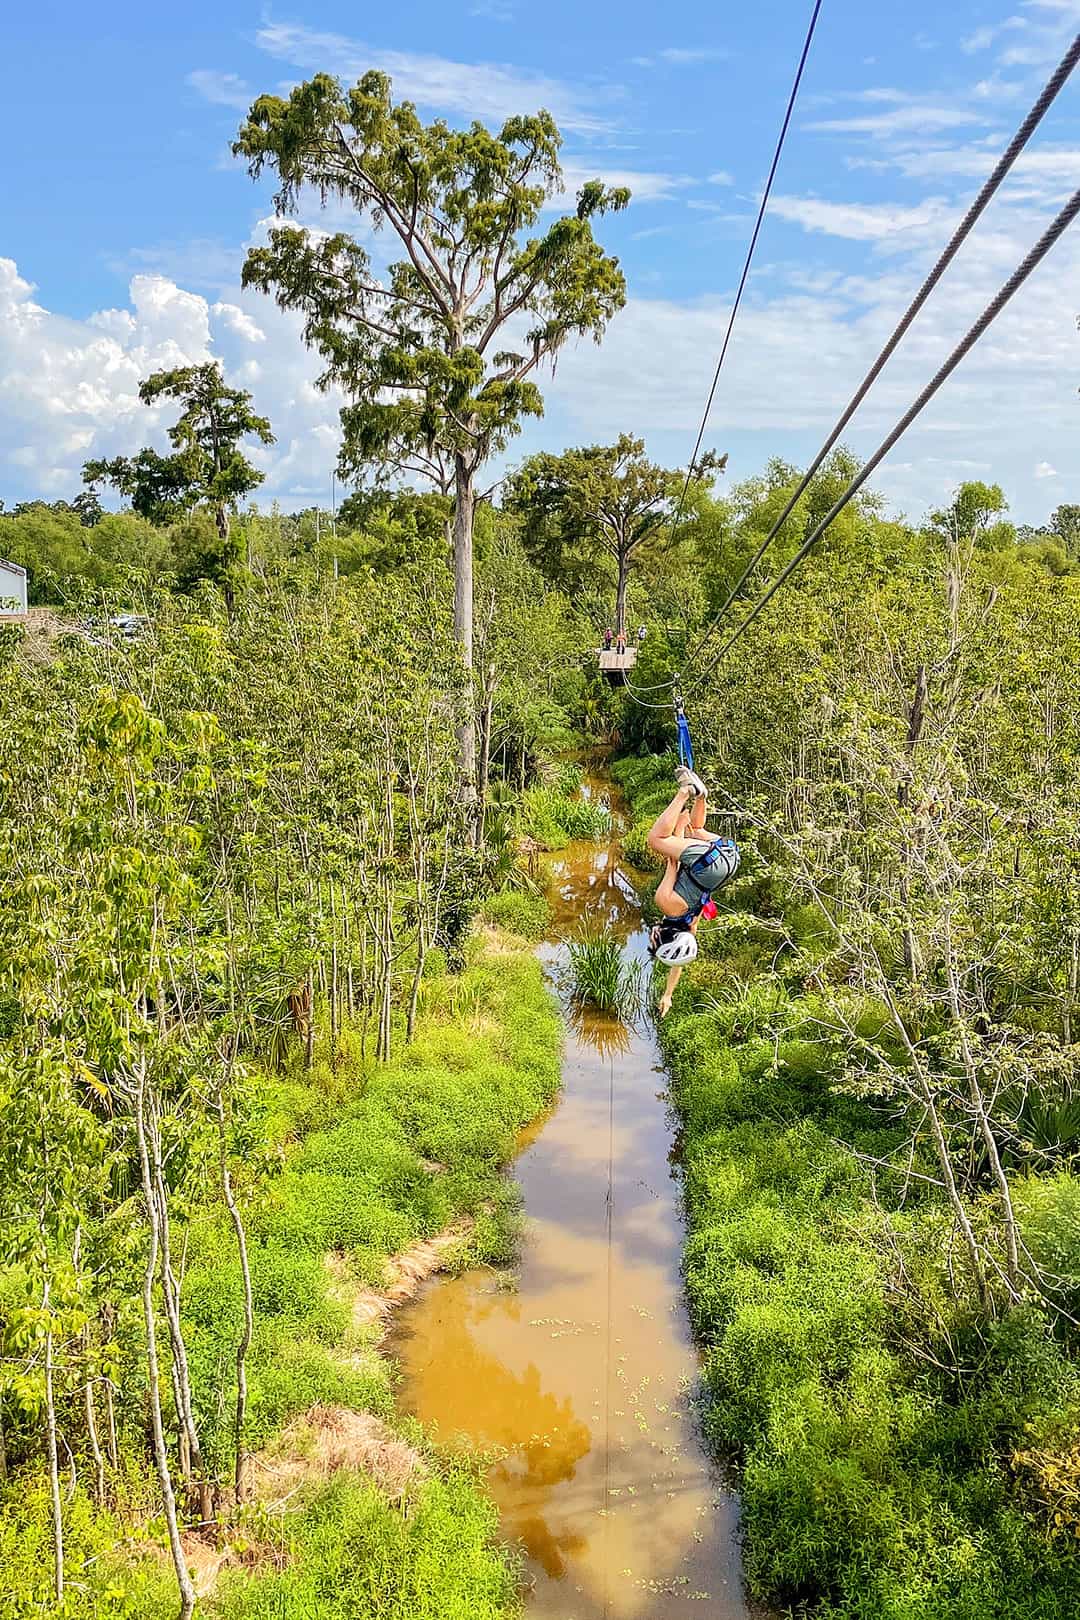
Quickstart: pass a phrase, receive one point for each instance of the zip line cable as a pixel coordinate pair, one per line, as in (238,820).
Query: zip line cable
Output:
(680,504)
(746,265)
(960,235)
(993,182)
(1042,247)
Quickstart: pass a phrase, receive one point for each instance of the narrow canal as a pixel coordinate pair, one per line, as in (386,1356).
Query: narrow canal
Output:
(581,1378)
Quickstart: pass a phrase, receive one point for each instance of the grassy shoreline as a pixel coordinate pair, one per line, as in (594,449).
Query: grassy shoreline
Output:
(345,1166)
(875,1484)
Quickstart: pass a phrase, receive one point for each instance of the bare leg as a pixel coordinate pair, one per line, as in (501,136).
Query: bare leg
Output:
(670,903)
(669,990)
(668,820)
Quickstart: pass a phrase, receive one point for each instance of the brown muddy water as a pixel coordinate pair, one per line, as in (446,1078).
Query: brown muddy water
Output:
(581,1380)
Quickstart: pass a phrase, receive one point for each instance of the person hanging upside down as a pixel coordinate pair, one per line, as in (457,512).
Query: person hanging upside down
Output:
(698,864)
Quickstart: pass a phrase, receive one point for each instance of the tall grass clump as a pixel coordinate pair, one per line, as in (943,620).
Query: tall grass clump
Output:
(600,977)
(552,818)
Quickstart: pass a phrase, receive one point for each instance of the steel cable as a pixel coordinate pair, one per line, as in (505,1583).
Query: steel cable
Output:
(1042,247)
(960,235)
(746,265)
(990,187)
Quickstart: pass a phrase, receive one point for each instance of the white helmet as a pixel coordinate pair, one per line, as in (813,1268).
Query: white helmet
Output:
(681,948)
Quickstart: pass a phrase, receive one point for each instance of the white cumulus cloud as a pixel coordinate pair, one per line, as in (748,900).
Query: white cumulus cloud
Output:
(69,389)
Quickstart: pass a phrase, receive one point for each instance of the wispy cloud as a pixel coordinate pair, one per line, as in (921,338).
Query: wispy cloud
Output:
(860,222)
(203,262)
(1050,164)
(645,185)
(984,37)
(682,56)
(222,89)
(500,11)
(903,119)
(486,90)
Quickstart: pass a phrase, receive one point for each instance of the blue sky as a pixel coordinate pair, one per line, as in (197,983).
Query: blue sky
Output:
(126,222)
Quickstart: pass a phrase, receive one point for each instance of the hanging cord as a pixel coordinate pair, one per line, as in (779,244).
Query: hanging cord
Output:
(960,235)
(1042,247)
(746,267)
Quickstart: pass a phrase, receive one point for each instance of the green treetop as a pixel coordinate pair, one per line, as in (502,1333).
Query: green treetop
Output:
(605,499)
(207,467)
(438,354)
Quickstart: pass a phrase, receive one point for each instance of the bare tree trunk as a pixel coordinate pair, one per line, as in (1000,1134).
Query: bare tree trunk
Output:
(161,1456)
(386,947)
(941,1146)
(1074,973)
(365,981)
(916,719)
(464,512)
(485,740)
(92,1430)
(54,1462)
(346,931)
(622,558)
(107,1324)
(170,1293)
(244,1343)
(334,1010)
(978,1103)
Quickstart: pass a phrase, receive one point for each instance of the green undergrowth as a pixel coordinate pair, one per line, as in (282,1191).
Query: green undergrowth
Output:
(347,1555)
(553,816)
(648,784)
(875,1485)
(527,915)
(346,1165)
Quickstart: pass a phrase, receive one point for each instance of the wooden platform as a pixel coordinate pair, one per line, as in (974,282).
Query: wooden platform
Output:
(615,665)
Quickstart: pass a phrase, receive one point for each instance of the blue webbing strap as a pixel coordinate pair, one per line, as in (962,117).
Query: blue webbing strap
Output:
(682,732)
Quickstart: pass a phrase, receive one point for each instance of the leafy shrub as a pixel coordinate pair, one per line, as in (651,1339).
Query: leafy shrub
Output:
(351,1553)
(375,1160)
(568,778)
(1048,1209)
(635,845)
(874,1484)
(527,915)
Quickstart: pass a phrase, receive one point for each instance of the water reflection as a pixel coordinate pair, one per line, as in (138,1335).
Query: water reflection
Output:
(608,1037)
(582,1379)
